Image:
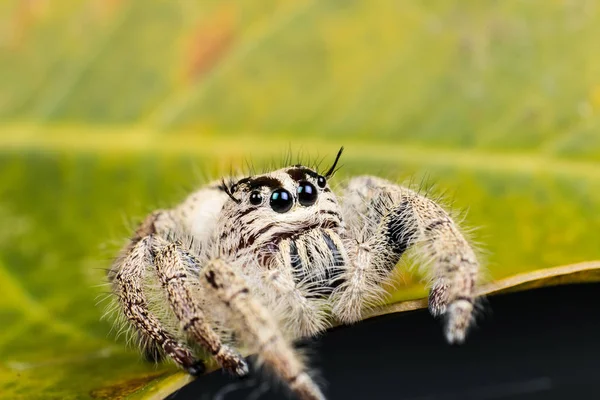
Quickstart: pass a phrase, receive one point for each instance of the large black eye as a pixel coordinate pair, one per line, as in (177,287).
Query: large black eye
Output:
(255,198)
(321,181)
(307,193)
(281,200)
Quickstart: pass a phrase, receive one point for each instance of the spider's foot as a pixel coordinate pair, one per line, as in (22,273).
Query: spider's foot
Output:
(197,369)
(438,300)
(239,368)
(242,370)
(233,362)
(457,320)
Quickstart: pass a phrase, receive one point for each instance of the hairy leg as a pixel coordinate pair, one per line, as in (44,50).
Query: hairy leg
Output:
(127,276)
(386,220)
(256,328)
(181,286)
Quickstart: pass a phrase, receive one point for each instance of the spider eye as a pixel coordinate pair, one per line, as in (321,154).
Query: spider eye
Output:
(255,198)
(321,181)
(281,200)
(307,193)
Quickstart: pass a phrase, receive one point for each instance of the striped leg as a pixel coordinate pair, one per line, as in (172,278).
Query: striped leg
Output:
(395,219)
(255,327)
(127,276)
(453,267)
(180,286)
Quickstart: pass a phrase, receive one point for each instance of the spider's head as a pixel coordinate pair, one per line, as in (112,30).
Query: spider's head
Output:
(282,203)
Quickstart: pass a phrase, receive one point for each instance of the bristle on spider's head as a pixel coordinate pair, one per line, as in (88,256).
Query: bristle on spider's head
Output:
(332,170)
(229,189)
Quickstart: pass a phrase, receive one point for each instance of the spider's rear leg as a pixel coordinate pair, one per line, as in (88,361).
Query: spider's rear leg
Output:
(175,276)
(256,328)
(399,219)
(454,273)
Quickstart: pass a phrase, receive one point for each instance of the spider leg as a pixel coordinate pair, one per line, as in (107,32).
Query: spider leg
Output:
(180,286)
(256,328)
(127,276)
(395,219)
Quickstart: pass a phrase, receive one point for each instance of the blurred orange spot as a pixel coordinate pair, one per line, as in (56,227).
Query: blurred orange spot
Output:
(210,42)
(103,9)
(26,14)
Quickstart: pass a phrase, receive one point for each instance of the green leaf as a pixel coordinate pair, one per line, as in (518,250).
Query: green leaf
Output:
(112,109)
(484,76)
(64,198)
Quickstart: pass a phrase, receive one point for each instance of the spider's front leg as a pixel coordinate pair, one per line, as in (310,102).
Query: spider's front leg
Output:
(253,324)
(177,271)
(147,253)
(387,220)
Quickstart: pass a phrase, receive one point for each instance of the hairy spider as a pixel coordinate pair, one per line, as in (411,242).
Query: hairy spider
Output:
(279,256)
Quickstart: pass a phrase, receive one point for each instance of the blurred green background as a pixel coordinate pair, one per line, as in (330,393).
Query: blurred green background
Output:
(111,108)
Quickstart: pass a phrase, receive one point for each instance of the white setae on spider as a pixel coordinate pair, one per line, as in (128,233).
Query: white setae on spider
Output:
(270,258)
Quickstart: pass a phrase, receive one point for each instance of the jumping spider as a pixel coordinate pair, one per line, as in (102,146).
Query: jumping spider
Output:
(271,258)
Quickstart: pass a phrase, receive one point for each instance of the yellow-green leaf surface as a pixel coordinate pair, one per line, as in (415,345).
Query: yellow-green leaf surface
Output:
(109,109)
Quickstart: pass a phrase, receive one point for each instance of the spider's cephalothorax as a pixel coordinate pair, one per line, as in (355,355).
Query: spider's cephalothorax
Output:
(275,257)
